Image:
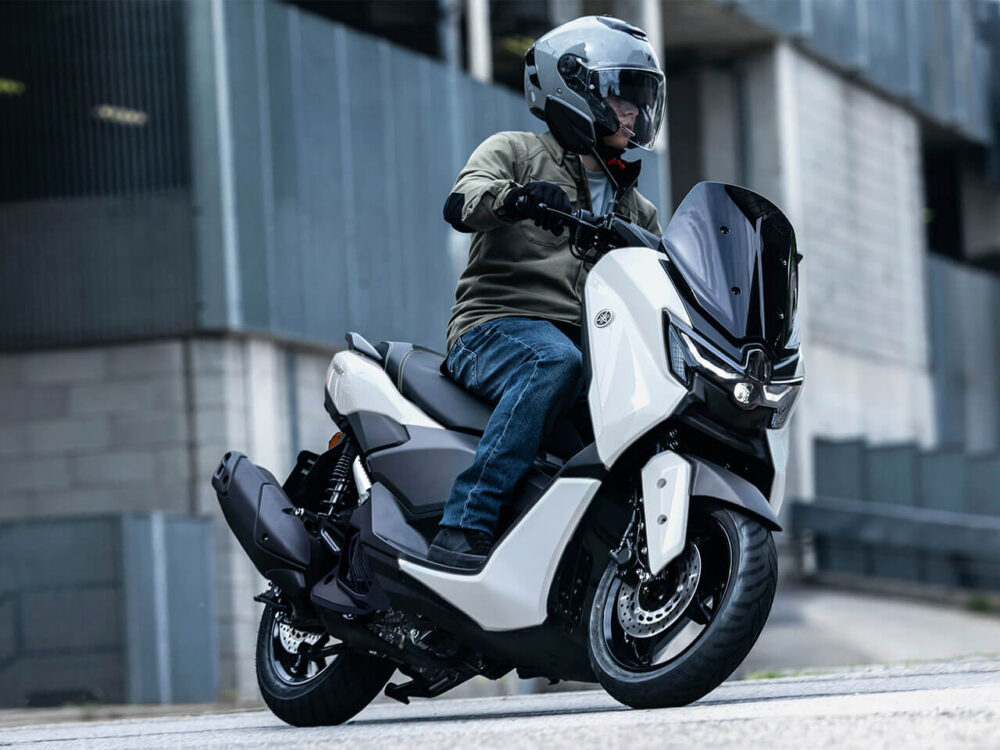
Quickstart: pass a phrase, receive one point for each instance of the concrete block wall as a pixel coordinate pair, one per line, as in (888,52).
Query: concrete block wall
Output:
(92,430)
(138,427)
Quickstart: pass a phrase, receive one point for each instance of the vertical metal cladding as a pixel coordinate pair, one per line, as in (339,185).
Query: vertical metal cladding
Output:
(343,149)
(928,53)
(91,102)
(95,211)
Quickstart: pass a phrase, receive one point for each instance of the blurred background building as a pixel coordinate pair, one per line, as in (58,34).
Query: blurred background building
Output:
(197,200)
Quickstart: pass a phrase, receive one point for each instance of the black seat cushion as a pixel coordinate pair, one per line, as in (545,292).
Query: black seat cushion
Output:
(417,373)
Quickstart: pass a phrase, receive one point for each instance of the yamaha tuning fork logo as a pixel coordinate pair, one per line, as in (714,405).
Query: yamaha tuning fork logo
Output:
(604,317)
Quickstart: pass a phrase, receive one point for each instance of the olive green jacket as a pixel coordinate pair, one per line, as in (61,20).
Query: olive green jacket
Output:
(516,268)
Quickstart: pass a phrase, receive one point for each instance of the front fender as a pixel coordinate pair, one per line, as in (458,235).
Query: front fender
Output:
(670,481)
(714,481)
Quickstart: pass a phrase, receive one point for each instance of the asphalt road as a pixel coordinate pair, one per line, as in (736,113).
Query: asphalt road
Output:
(953,704)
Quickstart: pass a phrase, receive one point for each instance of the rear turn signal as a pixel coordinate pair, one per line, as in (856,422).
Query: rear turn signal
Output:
(335,440)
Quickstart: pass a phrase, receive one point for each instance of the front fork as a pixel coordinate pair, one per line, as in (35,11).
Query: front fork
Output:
(657,531)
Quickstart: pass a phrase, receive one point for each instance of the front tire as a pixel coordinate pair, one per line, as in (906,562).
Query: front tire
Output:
(725,616)
(316,693)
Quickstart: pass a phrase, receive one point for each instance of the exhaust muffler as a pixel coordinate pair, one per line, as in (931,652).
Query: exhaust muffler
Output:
(260,515)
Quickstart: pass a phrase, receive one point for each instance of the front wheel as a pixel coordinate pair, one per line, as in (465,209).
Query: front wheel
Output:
(673,638)
(306,689)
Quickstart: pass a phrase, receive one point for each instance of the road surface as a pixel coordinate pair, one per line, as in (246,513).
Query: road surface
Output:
(952,704)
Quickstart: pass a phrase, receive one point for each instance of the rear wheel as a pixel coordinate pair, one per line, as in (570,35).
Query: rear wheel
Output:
(305,687)
(673,638)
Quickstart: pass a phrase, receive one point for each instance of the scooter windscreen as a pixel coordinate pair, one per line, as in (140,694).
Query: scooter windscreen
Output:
(735,253)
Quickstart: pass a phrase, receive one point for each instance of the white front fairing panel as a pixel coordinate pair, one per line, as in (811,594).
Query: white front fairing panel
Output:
(666,492)
(777,443)
(512,589)
(631,388)
(355,383)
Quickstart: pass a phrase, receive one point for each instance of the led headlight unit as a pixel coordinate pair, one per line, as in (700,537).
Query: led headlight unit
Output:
(746,390)
(685,355)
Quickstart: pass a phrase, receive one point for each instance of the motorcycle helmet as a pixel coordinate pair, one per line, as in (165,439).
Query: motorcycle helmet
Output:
(590,62)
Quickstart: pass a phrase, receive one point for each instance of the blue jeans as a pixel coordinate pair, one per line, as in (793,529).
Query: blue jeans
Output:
(533,373)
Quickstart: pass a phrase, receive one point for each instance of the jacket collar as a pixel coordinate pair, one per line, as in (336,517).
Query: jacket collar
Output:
(629,176)
(552,146)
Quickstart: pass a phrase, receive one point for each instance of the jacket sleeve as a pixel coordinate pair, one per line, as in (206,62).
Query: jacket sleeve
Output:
(648,216)
(482,186)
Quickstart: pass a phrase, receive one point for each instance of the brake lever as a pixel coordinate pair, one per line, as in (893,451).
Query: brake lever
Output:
(576,221)
(574,217)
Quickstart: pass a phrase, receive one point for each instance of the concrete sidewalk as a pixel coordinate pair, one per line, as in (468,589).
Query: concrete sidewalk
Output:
(812,626)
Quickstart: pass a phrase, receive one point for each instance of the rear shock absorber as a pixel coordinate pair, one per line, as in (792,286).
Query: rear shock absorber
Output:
(341,487)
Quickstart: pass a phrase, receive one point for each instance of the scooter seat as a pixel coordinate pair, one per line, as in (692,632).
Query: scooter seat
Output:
(418,374)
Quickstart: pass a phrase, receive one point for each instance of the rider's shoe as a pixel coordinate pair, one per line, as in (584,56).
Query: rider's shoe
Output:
(460,548)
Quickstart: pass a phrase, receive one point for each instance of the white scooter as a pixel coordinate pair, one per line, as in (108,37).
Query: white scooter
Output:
(641,558)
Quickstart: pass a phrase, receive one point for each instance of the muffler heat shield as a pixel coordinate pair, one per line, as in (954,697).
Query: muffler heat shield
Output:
(277,543)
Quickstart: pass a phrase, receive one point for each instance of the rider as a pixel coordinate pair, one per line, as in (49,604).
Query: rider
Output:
(514,333)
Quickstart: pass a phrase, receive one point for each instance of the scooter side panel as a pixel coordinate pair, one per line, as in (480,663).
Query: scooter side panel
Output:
(511,591)
(355,383)
(631,387)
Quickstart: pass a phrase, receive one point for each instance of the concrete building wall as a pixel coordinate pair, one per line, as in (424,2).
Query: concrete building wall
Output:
(845,165)
(856,198)
(980,211)
(141,427)
(965,308)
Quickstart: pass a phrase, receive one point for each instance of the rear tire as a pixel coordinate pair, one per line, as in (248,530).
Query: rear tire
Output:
(334,694)
(729,626)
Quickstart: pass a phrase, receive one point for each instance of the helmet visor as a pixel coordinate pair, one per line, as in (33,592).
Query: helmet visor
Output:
(630,100)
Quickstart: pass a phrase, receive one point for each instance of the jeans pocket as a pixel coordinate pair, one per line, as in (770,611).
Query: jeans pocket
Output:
(463,366)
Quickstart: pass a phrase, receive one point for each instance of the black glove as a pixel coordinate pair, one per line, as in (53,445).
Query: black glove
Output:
(524,202)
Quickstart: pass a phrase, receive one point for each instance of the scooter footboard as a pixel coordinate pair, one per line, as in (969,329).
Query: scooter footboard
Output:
(277,543)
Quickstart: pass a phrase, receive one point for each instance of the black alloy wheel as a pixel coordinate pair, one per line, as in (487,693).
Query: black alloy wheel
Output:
(673,638)
(306,681)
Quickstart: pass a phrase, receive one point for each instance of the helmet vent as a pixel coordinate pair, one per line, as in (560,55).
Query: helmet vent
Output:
(618,25)
(529,62)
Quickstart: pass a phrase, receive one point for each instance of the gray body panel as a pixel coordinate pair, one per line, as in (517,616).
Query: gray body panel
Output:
(712,480)
(421,471)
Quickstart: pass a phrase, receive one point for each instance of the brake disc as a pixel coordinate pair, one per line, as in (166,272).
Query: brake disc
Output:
(292,638)
(640,622)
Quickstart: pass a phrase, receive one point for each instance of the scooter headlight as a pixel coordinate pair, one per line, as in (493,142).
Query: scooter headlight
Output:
(685,355)
(746,391)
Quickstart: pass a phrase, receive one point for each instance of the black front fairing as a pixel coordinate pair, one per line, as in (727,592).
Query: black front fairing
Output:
(733,258)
